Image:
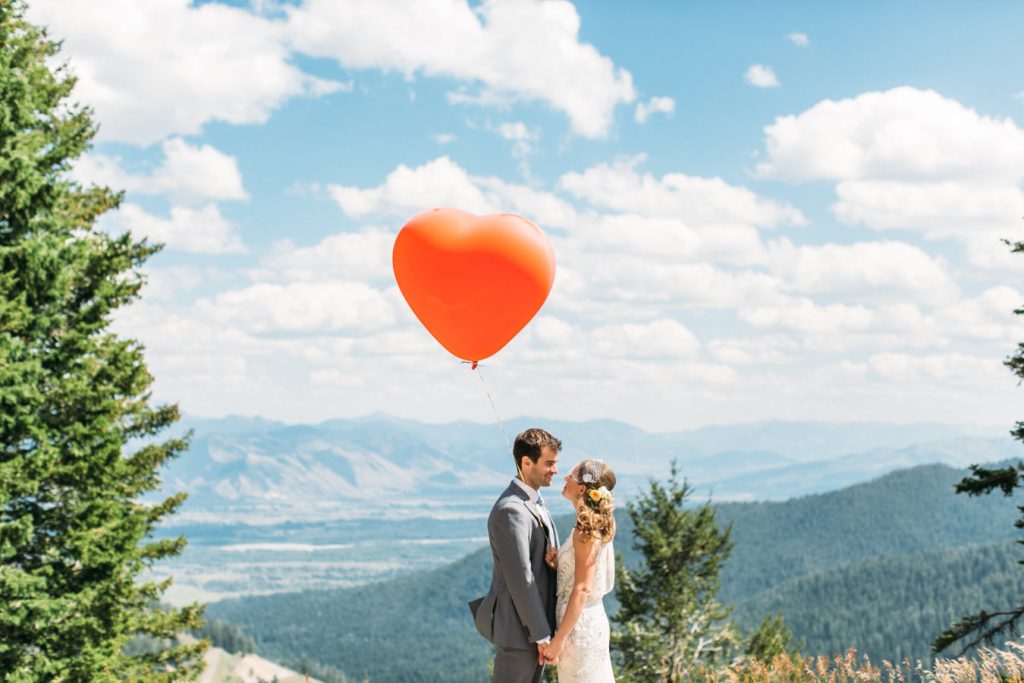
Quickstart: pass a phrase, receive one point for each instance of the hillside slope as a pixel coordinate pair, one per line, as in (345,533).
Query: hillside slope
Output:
(808,557)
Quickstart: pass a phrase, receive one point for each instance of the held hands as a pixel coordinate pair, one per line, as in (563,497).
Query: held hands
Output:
(551,558)
(549,652)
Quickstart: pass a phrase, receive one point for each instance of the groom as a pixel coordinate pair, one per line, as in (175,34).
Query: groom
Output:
(518,612)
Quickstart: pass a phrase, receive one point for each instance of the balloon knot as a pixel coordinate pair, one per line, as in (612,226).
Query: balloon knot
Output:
(473,366)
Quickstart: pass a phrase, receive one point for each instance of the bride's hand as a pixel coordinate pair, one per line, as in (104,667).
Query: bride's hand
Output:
(551,558)
(554,650)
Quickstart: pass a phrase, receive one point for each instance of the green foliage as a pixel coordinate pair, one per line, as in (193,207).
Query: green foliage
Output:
(985,626)
(321,672)
(72,396)
(903,513)
(771,639)
(889,607)
(226,636)
(414,629)
(669,618)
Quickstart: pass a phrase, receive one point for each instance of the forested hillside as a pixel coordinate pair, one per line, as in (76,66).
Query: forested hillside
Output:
(863,566)
(893,607)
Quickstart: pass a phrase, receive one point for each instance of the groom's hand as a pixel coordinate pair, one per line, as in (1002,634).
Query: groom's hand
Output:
(544,654)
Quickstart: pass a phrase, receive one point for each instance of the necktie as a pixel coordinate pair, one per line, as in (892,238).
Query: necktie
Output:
(544,516)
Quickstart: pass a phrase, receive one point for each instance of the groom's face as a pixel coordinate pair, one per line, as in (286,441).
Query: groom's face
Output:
(540,473)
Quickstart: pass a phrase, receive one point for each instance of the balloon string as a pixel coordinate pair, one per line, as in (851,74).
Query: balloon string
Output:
(479,372)
(508,444)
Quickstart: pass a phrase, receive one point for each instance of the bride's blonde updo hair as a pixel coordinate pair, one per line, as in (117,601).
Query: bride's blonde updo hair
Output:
(594,509)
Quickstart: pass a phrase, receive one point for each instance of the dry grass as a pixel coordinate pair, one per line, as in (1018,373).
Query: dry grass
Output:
(988,666)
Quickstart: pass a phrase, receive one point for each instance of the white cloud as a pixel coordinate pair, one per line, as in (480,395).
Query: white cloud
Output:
(516,131)
(301,308)
(761,350)
(761,76)
(362,256)
(524,50)
(863,271)
(407,191)
(201,231)
(663,338)
(164,67)
(799,39)
(938,209)
(989,316)
(900,134)
(655,105)
(170,282)
(696,200)
(443,183)
(806,317)
(895,367)
(909,159)
(522,138)
(186,174)
(551,338)
(445,138)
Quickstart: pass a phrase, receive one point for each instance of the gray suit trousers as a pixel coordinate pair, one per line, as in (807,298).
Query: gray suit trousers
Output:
(512,665)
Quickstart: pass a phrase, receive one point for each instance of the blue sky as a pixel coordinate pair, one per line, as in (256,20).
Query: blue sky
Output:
(760,210)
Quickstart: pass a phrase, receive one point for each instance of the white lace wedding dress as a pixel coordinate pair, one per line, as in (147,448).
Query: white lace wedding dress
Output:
(585,657)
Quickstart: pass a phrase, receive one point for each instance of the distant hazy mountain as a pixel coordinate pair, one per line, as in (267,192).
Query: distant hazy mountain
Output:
(379,460)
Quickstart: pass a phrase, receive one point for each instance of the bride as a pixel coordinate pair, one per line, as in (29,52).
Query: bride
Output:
(586,573)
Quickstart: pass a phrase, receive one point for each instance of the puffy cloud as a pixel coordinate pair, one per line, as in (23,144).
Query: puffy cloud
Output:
(909,159)
(301,308)
(202,231)
(662,338)
(555,339)
(799,39)
(528,49)
(895,367)
(941,209)
(761,76)
(900,134)
(696,200)
(988,316)
(170,282)
(762,350)
(655,105)
(362,256)
(806,316)
(407,191)
(863,271)
(186,174)
(164,67)
(443,183)
(516,131)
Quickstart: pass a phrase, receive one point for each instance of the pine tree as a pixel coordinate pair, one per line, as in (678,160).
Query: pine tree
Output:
(985,626)
(74,403)
(669,619)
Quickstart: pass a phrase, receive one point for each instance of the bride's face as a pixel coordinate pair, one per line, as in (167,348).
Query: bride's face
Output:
(573,490)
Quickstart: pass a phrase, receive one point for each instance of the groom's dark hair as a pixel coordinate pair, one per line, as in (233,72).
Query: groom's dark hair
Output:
(530,443)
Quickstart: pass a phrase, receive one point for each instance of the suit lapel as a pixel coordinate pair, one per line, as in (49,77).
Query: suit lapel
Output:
(548,532)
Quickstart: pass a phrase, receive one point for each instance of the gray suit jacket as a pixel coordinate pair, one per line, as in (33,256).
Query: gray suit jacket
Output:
(519,609)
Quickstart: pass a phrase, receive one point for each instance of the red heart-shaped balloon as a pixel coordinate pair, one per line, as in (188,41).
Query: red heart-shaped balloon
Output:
(473,281)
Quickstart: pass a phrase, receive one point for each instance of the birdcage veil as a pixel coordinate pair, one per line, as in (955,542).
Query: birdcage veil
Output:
(589,472)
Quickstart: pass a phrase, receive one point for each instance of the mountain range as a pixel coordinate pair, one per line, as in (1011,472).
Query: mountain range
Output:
(362,466)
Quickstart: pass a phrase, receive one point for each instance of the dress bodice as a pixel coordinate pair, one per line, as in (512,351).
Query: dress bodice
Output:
(604,571)
(585,657)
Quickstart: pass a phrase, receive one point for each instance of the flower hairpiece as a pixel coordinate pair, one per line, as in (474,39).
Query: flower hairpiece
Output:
(595,496)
